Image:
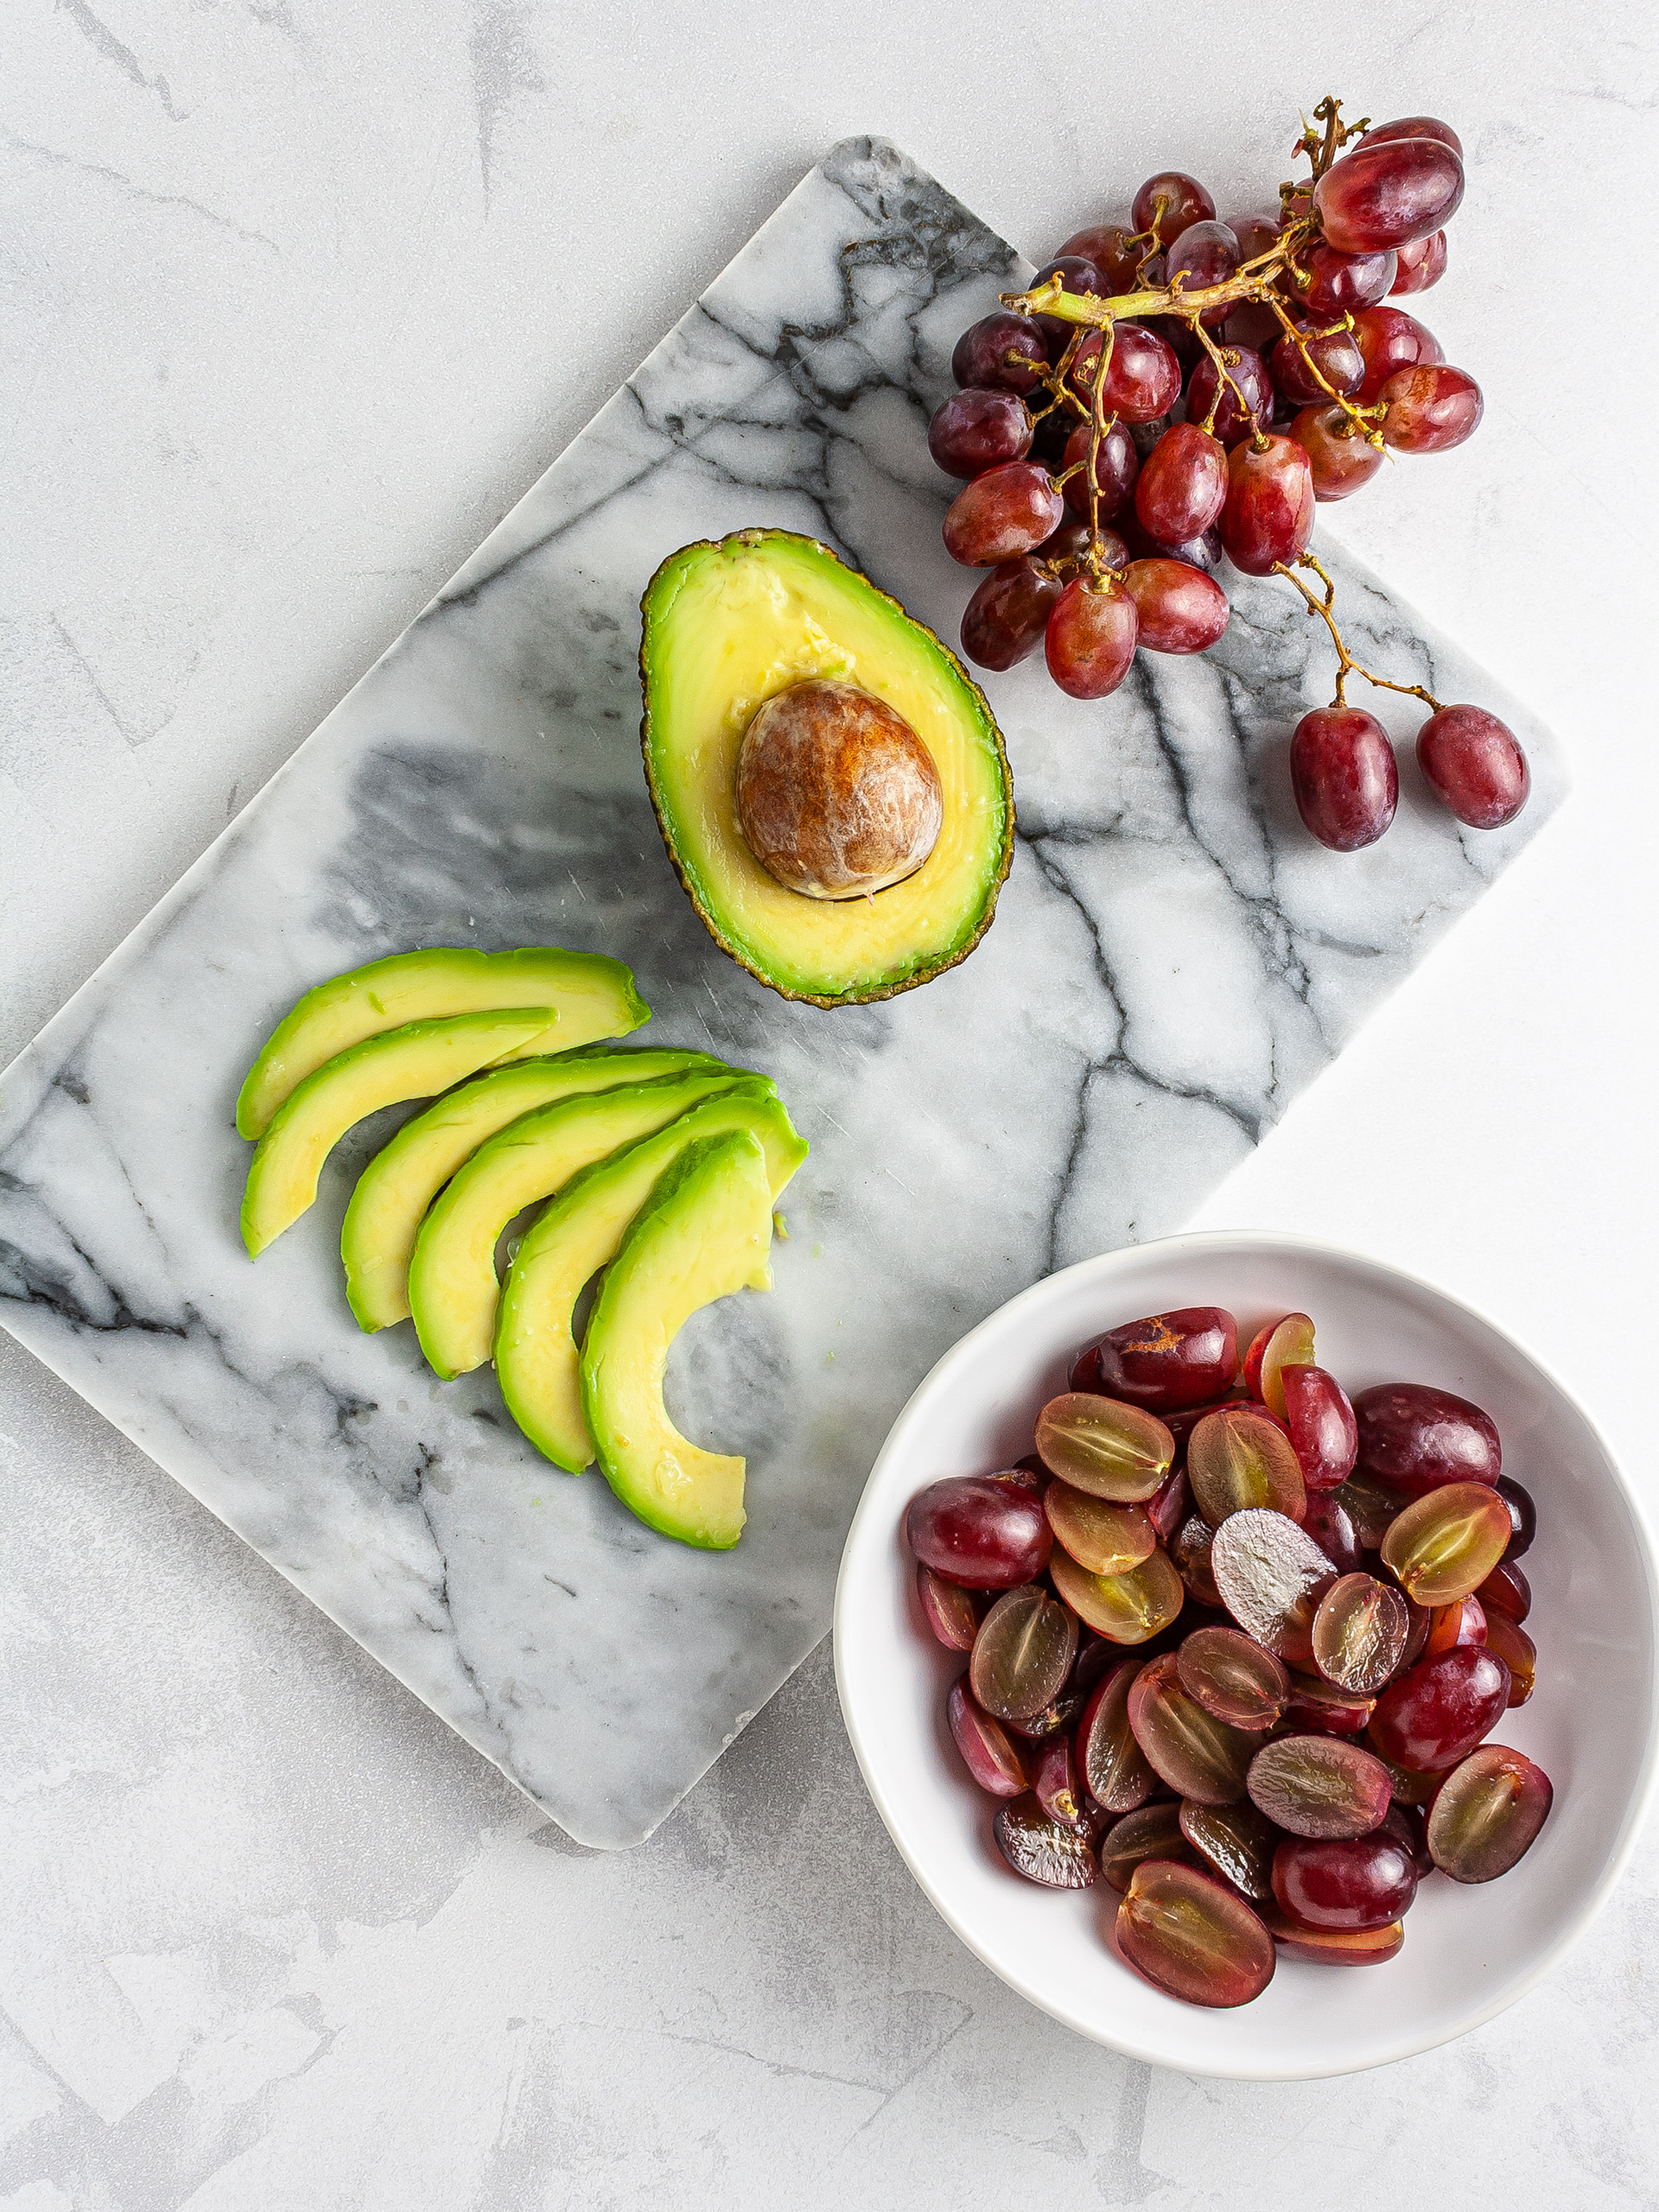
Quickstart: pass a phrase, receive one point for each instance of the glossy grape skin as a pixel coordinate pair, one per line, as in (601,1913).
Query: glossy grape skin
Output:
(1405,1823)
(1104,1538)
(983,358)
(1506,1591)
(1370,1505)
(1271,1578)
(1444,1544)
(1473,765)
(1048,443)
(1518,1652)
(1185,202)
(1003,623)
(1327,1521)
(1319,1708)
(1239,1456)
(1201,552)
(1182,485)
(1269,515)
(1004,513)
(1190,1552)
(1342,284)
(1524,1517)
(1104,1445)
(1387,341)
(1170,1505)
(1344,777)
(1234,423)
(987,1751)
(951,1611)
(973,1531)
(1022,1654)
(1386,193)
(1076,275)
(1415,126)
(1163,1362)
(1128,1608)
(1335,1947)
(1071,542)
(1233,1678)
(1205,253)
(1112,249)
(1341,458)
(1430,408)
(1234,1841)
(1276,1346)
(1150,1832)
(1324,1433)
(1144,378)
(1334,353)
(1360,1883)
(1200,1756)
(1047,1851)
(1054,1782)
(977,430)
(1179,609)
(1190,1936)
(1320,1786)
(1114,1767)
(1431,1718)
(1464,1621)
(1487,1813)
(1117,466)
(1421,264)
(1414,1437)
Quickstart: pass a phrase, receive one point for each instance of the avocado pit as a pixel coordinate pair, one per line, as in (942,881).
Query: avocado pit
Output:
(837,794)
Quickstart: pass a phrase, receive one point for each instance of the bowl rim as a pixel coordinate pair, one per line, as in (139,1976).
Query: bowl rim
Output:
(1240,1242)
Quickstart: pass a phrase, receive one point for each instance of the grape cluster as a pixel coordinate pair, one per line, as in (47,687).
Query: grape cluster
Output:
(1172,390)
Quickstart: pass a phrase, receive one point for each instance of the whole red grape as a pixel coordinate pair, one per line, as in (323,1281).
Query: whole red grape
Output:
(1174,202)
(1089,642)
(1341,283)
(1268,517)
(1001,352)
(1256,234)
(1421,264)
(1341,458)
(1344,773)
(1182,487)
(1474,764)
(1076,275)
(1116,466)
(1430,409)
(1415,126)
(1144,378)
(1389,339)
(1205,253)
(975,430)
(1388,192)
(1233,423)
(1109,246)
(1180,609)
(1004,620)
(1002,514)
(1070,542)
(1335,356)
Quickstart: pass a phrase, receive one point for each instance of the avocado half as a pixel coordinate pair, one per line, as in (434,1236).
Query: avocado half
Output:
(727,626)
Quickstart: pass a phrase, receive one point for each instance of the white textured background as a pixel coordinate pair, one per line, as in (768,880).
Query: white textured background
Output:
(299,295)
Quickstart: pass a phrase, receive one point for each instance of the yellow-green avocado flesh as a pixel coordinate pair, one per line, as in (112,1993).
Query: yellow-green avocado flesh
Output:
(580,1231)
(376,1241)
(591,996)
(414,1061)
(726,626)
(705,1232)
(453,1288)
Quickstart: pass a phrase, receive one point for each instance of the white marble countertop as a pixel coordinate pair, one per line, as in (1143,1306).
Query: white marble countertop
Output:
(301,299)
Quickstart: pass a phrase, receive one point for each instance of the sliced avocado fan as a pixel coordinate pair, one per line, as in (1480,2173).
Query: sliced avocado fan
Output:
(705,1230)
(414,1061)
(453,1288)
(376,1241)
(579,1232)
(590,997)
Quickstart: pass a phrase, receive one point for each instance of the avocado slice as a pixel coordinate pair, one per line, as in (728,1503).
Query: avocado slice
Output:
(453,1289)
(729,625)
(579,1232)
(591,996)
(705,1230)
(412,1061)
(400,1183)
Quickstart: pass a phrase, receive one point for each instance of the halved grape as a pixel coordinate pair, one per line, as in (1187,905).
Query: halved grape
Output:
(1371,1505)
(1358,1882)
(1271,1578)
(1237,1842)
(1324,1433)
(1287,1341)
(1320,1786)
(1128,1608)
(1152,1832)
(1321,1708)
(1023,1653)
(1054,1782)
(1518,1652)
(1488,1814)
(1464,1621)
(1385,194)
(987,1753)
(1414,1437)
(1233,1678)
(1328,1523)
(1191,1935)
(986,1534)
(1192,1750)
(1268,517)
(1170,1504)
(1044,1850)
(1113,1766)
(1089,641)
(1474,764)
(1435,1715)
(1105,1446)
(1335,1947)
(1238,1458)
(1106,1539)
(1359,1633)
(1446,1543)
(1190,1552)
(951,1611)
(1506,1590)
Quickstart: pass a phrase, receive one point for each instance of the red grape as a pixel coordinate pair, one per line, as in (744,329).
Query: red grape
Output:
(1143,379)
(1004,620)
(1076,275)
(1405,1824)
(1189,1934)
(1022,1654)
(1344,776)
(1171,202)
(1128,1608)
(1202,551)
(1430,408)
(1234,422)
(1149,1832)
(1288,1342)
(1102,1446)
(1387,192)
(1256,234)
(1421,264)
(1003,353)
(1169,1506)
(1319,1708)
(1112,247)
(1488,1814)
(1232,1677)
(1271,1578)
(975,430)
(1341,284)
(1463,1621)
(1446,1542)
(1389,339)
(985,1534)
(1183,484)
(1335,1947)
(1517,1651)
(1190,1550)
(1179,609)
(1192,1750)
(1341,457)
(1054,1782)
(1327,1522)
(1206,253)
(1002,514)
(1320,1786)
(1268,517)
(1506,1590)
(1359,1633)
(1238,1458)
(1107,1539)
(1089,642)
(1114,1765)
(986,1751)
(1524,1517)
(1474,764)
(1071,540)
(1164,1363)
(1044,1850)
(1235,1841)
(1415,126)
(1335,355)
(1414,1437)
(1116,466)
(952,1612)
(1360,1883)
(1431,1718)
(1321,1421)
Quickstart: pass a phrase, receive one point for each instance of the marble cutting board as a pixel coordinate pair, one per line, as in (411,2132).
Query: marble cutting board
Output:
(1172,960)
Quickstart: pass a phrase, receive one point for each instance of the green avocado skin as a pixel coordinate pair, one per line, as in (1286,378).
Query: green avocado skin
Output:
(908,638)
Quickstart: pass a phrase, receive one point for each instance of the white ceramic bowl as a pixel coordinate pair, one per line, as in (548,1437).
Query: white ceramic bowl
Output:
(1591,1724)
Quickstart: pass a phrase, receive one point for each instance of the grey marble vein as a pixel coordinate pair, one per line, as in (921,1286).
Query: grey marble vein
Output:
(1172,962)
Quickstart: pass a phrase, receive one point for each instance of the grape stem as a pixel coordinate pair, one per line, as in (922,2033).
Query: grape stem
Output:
(1321,604)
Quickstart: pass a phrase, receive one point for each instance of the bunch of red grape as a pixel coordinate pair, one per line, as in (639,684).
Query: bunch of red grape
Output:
(1189,388)
(1325,1599)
